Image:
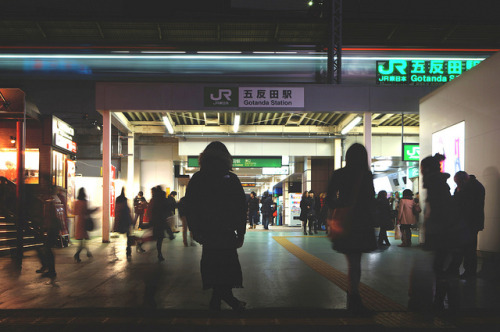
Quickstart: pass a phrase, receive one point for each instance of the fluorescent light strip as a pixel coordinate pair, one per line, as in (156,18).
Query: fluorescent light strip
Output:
(351,125)
(236,124)
(163,52)
(168,124)
(210,57)
(219,52)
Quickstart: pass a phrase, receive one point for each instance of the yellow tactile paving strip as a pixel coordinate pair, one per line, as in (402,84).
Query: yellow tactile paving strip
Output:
(388,312)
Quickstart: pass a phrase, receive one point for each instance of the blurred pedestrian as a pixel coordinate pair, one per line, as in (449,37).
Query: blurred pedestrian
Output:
(123,220)
(171,206)
(157,213)
(267,209)
(312,216)
(352,187)
(470,195)
(216,214)
(408,211)
(181,206)
(384,217)
(253,210)
(444,230)
(82,213)
(304,209)
(140,205)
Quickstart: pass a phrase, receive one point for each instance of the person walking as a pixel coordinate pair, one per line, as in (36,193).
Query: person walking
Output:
(383,214)
(216,214)
(253,210)
(266,209)
(408,210)
(157,215)
(352,186)
(140,205)
(82,212)
(470,195)
(303,210)
(123,220)
(171,206)
(181,206)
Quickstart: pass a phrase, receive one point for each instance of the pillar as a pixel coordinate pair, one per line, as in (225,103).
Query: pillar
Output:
(132,189)
(106,174)
(367,135)
(337,153)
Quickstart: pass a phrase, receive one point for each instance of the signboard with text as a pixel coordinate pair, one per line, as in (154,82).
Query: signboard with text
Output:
(220,97)
(249,162)
(421,72)
(271,97)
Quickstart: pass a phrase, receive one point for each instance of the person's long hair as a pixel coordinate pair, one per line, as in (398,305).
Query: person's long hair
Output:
(356,158)
(82,196)
(216,157)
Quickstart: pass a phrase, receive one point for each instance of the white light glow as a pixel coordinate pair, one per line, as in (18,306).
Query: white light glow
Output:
(351,125)
(236,124)
(168,124)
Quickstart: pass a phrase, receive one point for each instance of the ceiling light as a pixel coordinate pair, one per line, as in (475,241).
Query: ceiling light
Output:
(236,124)
(168,124)
(351,125)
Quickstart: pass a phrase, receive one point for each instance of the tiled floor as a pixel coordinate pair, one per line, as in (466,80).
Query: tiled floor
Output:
(287,276)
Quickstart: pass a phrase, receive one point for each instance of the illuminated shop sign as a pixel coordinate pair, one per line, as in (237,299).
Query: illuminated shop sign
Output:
(275,171)
(244,184)
(411,151)
(413,172)
(8,165)
(271,97)
(62,134)
(421,72)
(255,162)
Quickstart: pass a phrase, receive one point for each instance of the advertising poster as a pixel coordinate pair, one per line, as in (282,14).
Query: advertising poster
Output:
(451,143)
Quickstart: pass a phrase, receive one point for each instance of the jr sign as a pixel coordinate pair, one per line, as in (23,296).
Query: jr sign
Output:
(220,97)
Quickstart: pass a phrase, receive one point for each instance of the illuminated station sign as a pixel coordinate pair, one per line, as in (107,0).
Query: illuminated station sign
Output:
(421,72)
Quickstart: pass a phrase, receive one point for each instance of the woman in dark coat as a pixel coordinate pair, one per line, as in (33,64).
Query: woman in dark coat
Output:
(123,220)
(303,210)
(216,214)
(157,213)
(353,186)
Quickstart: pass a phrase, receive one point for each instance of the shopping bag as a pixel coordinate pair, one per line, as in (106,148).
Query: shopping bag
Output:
(397,233)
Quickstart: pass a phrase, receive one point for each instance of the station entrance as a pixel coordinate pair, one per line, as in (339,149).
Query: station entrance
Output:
(286,142)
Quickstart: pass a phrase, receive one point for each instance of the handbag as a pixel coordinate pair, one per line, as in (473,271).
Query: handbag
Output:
(339,220)
(397,233)
(89,224)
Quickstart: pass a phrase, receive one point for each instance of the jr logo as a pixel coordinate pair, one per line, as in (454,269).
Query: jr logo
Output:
(223,93)
(413,153)
(400,65)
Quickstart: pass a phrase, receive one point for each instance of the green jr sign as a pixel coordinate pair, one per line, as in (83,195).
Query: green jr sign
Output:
(421,72)
(248,162)
(411,151)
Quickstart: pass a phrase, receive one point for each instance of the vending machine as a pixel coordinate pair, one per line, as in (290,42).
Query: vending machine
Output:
(293,210)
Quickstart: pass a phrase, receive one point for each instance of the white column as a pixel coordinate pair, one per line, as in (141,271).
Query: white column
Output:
(338,153)
(367,135)
(307,175)
(132,189)
(106,173)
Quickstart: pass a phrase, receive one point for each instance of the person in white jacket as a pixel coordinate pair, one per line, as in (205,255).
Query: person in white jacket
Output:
(407,216)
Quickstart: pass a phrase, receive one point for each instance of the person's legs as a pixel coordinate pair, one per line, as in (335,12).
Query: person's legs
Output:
(354,277)
(470,258)
(159,243)
(304,225)
(78,251)
(265,221)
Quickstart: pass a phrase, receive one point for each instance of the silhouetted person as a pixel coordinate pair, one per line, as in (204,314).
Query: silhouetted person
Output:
(470,195)
(253,210)
(82,212)
(216,213)
(353,186)
(140,205)
(266,209)
(123,220)
(383,213)
(443,232)
(304,209)
(157,212)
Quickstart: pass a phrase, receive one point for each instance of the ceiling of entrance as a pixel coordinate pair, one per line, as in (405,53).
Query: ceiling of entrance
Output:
(277,123)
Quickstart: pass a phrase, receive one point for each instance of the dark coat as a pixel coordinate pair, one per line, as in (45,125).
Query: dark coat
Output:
(216,212)
(253,205)
(383,213)
(123,220)
(267,205)
(303,208)
(470,201)
(171,206)
(341,189)
(444,226)
(157,213)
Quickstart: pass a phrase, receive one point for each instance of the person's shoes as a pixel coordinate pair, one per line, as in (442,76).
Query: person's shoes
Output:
(171,237)
(139,248)
(77,258)
(355,305)
(89,254)
(235,304)
(42,269)
(254,226)
(193,244)
(310,233)
(387,243)
(305,233)
(215,304)
(160,258)
(49,274)
(403,245)
(315,232)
